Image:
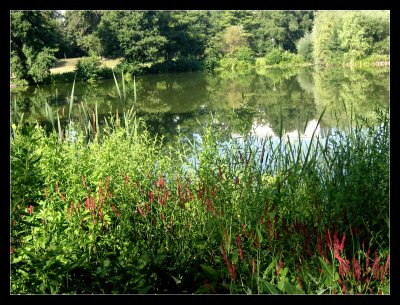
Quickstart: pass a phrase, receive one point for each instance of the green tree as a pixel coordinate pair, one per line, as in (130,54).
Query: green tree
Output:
(271,29)
(185,33)
(137,35)
(34,43)
(345,36)
(80,28)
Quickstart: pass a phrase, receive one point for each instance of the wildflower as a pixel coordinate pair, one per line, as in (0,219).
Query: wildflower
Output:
(213,192)
(356,269)
(62,197)
(299,281)
(151,196)
(57,187)
(375,267)
(387,264)
(382,271)
(342,243)
(226,236)
(257,244)
(253,262)
(30,209)
(141,211)
(83,181)
(233,273)
(108,182)
(126,180)
(236,180)
(367,261)
(279,267)
(161,182)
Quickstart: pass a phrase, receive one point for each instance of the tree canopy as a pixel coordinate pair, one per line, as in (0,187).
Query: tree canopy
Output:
(210,38)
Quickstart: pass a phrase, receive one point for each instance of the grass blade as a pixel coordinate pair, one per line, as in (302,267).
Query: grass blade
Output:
(134,89)
(71,100)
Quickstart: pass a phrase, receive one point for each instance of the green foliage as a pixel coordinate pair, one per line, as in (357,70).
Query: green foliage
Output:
(305,47)
(88,68)
(279,56)
(80,32)
(348,36)
(34,41)
(273,29)
(121,214)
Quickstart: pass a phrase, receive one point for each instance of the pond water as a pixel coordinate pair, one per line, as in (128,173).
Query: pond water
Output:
(260,102)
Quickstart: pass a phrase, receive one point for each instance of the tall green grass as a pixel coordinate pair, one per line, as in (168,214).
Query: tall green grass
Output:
(115,212)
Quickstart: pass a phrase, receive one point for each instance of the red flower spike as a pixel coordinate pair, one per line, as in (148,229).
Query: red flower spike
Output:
(382,272)
(387,264)
(299,281)
(83,181)
(57,187)
(342,243)
(375,267)
(161,182)
(30,209)
(253,262)
(356,269)
(367,261)
(226,236)
(141,211)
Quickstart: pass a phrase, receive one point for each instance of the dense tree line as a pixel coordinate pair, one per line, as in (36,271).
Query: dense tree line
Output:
(186,40)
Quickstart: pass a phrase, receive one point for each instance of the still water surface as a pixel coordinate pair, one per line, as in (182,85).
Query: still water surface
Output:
(259,102)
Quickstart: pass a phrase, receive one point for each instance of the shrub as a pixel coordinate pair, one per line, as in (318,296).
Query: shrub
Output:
(279,56)
(88,68)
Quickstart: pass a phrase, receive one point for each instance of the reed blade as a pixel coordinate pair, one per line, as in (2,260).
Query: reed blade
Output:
(134,89)
(123,87)
(59,128)
(71,100)
(312,138)
(117,86)
(97,121)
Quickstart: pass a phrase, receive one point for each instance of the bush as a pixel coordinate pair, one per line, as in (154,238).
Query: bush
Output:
(279,56)
(88,68)
(245,54)
(129,67)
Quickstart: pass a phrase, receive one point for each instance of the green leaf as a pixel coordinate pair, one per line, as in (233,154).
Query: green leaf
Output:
(291,289)
(268,288)
(209,272)
(330,273)
(144,290)
(260,238)
(177,281)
